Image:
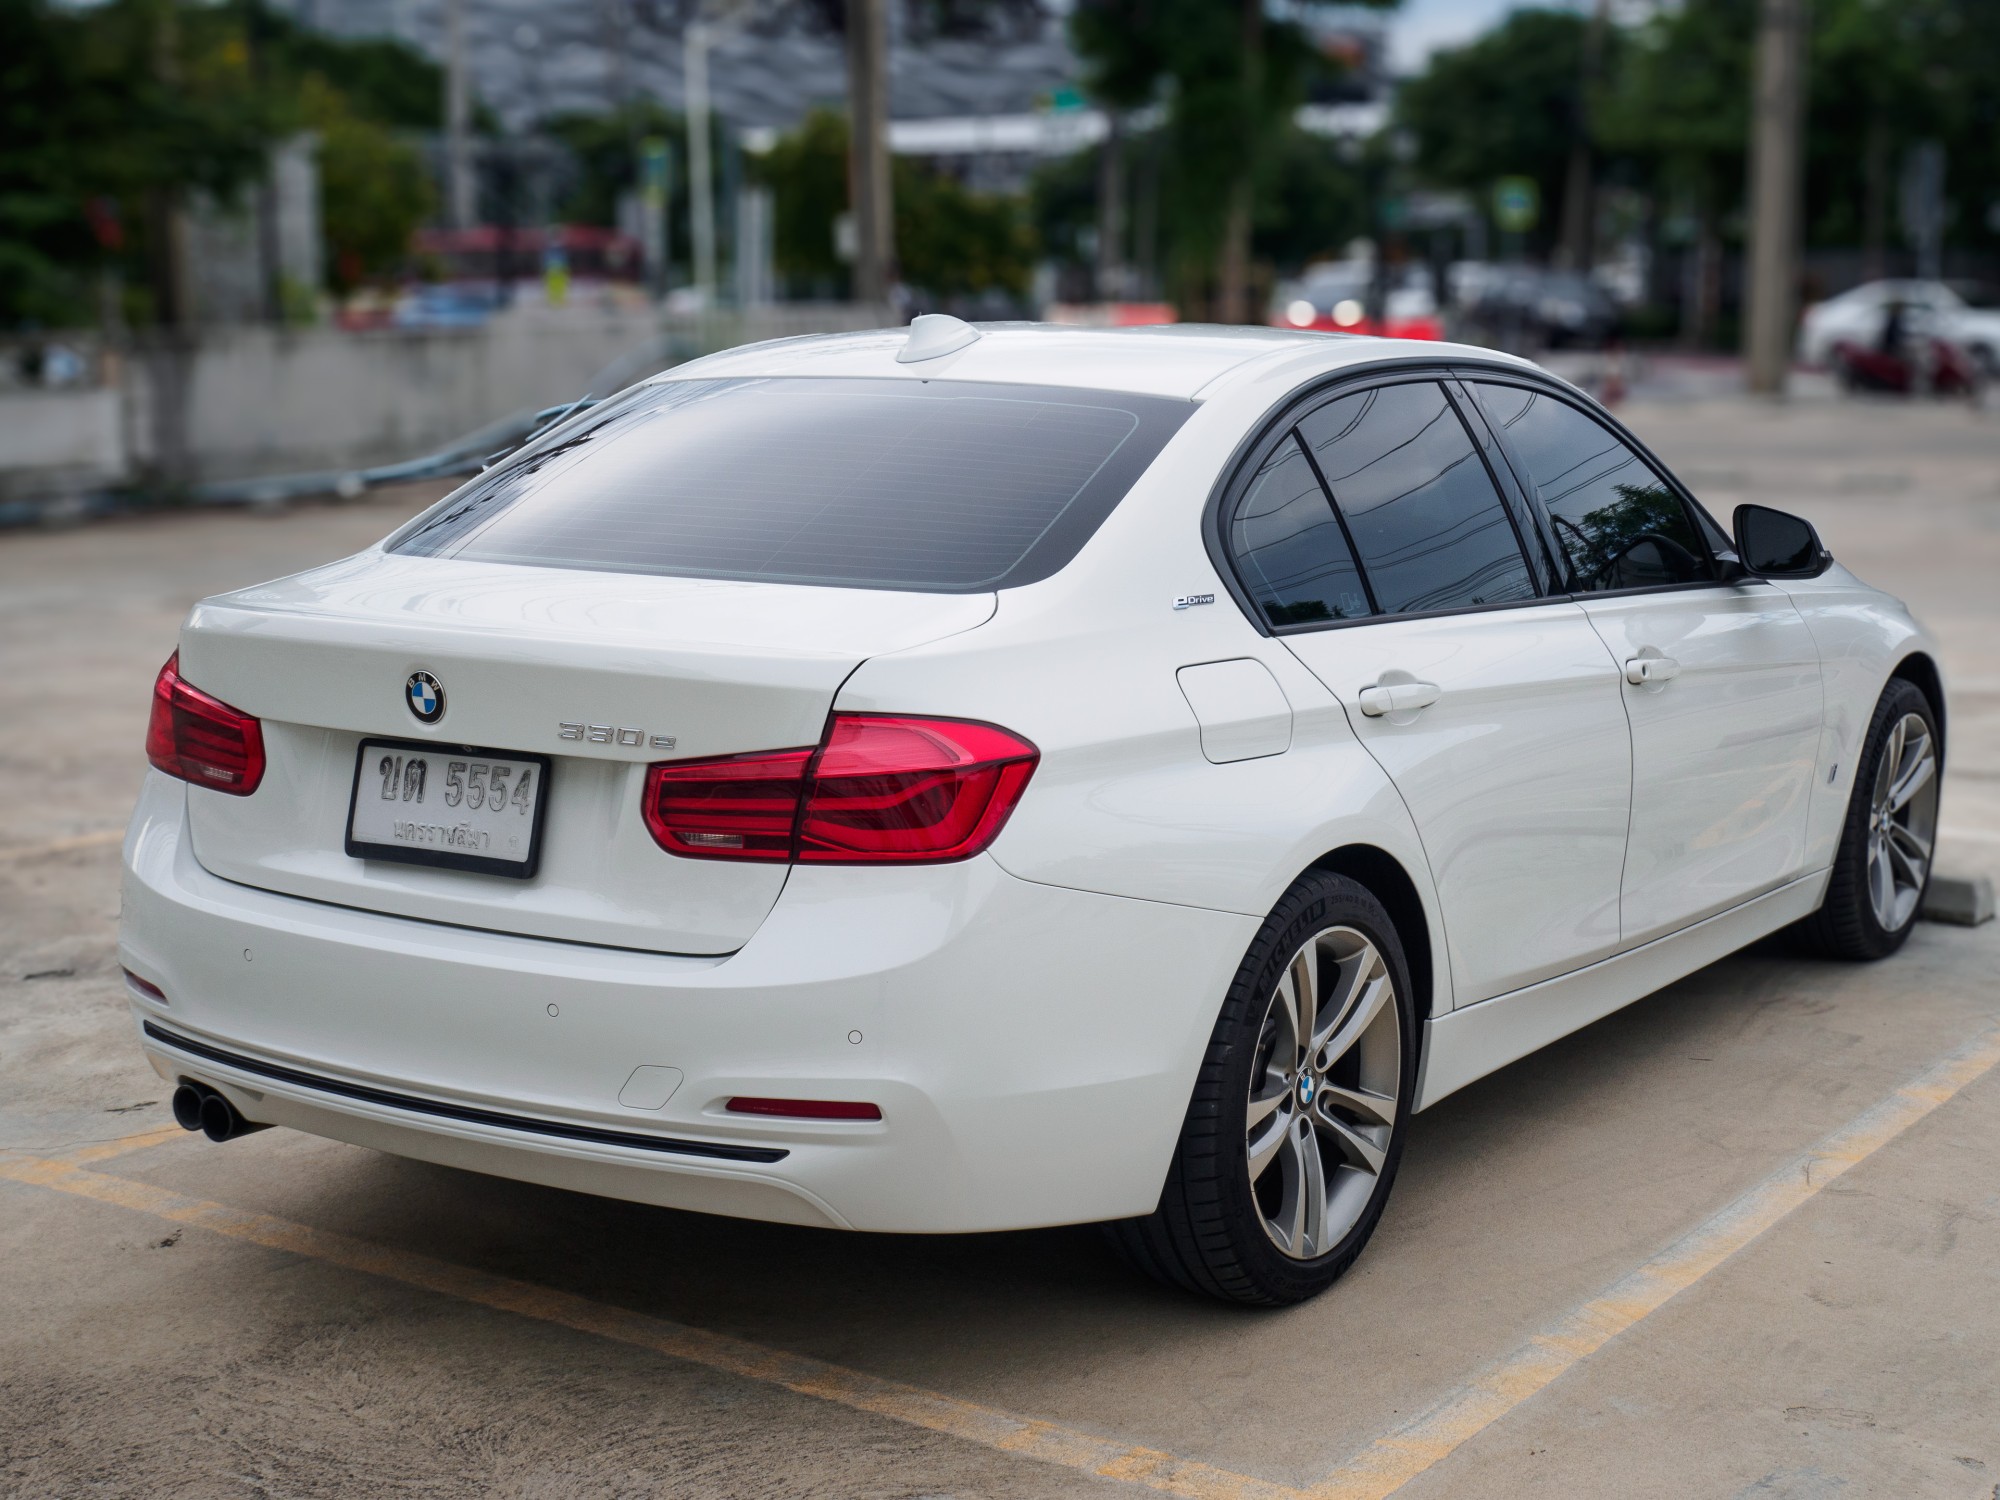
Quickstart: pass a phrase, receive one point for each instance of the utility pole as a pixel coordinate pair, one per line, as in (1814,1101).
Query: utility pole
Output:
(1580,181)
(869,188)
(460,204)
(701,184)
(1111,276)
(1232,301)
(1776,125)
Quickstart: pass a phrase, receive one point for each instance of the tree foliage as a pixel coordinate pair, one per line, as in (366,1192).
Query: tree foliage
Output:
(109,112)
(1230,78)
(1505,105)
(952,242)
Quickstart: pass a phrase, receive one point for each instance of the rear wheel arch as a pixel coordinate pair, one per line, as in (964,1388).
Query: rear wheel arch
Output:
(1385,878)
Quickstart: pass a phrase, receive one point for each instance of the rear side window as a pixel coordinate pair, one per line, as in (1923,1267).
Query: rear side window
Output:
(1288,544)
(1425,516)
(934,486)
(1620,525)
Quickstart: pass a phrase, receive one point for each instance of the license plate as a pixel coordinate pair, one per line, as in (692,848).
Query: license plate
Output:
(452,808)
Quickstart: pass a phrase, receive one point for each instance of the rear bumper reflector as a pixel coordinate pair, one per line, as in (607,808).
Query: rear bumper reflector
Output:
(806,1109)
(596,1135)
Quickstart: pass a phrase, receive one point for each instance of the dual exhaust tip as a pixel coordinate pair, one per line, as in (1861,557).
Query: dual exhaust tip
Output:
(199,1107)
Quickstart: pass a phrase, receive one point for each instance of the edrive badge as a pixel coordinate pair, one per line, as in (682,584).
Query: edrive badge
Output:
(425,695)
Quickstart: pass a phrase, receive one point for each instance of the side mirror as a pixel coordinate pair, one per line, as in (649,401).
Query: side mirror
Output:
(1772,544)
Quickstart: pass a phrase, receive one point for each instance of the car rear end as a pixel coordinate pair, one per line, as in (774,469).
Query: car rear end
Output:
(538,841)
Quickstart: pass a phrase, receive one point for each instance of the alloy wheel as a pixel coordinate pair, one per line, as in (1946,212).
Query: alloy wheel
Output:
(1902,823)
(1324,1089)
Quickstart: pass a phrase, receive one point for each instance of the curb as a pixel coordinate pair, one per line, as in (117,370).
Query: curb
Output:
(1962,900)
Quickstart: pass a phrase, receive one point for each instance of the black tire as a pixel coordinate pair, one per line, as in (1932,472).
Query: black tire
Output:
(1845,926)
(1207,1235)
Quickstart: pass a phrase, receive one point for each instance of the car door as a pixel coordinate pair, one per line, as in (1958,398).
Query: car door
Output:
(1372,540)
(1721,681)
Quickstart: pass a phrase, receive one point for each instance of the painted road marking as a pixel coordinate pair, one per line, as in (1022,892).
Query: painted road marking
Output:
(1393,1460)
(1381,1469)
(1026,1437)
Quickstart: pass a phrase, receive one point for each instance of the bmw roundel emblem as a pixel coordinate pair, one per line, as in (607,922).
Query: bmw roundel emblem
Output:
(425,696)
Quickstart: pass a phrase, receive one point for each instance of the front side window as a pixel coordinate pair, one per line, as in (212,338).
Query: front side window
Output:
(1289,548)
(934,486)
(1425,516)
(1620,525)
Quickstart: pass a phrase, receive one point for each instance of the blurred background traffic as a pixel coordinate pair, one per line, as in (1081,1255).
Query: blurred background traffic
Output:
(253,249)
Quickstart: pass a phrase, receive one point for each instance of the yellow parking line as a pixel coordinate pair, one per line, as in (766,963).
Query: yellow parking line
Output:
(1392,1461)
(1379,1470)
(94,840)
(1049,1442)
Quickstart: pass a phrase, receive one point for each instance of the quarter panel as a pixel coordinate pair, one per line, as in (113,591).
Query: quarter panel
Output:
(1862,635)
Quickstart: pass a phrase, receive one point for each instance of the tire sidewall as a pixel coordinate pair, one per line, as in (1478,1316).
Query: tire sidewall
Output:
(1317,902)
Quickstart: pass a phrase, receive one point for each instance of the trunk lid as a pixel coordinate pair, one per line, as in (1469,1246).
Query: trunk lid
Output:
(719,668)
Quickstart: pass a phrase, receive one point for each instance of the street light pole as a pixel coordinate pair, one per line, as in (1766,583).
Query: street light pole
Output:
(457,114)
(701,186)
(1775,154)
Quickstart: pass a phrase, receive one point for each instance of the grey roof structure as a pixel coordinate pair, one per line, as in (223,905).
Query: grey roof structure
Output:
(531,59)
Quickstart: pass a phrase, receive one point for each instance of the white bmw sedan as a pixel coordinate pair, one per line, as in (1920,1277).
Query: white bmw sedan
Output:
(963,779)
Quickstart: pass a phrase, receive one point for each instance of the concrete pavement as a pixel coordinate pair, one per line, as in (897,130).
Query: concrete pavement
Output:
(1742,1238)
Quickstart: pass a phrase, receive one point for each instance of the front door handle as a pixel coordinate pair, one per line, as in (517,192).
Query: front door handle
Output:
(1399,697)
(1643,669)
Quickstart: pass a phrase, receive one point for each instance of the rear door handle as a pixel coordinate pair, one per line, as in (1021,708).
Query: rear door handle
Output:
(1399,697)
(1644,669)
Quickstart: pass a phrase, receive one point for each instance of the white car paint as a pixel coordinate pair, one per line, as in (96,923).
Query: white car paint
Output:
(1855,317)
(1031,1019)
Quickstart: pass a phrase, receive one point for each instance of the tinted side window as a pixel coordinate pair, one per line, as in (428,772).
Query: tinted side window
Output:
(1289,547)
(1425,517)
(1619,524)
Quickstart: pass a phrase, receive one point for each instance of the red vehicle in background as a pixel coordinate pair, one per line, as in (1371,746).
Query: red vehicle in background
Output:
(1333,298)
(1908,355)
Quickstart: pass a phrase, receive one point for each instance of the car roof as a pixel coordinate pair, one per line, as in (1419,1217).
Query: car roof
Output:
(1184,360)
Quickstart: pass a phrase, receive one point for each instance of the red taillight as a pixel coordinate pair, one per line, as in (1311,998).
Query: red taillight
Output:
(805,1109)
(202,739)
(880,789)
(740,807)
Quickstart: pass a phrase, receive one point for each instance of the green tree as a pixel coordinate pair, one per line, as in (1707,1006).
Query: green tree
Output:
(110,113)
(952,242)
(1504,105)
(373,190)
(1231,77)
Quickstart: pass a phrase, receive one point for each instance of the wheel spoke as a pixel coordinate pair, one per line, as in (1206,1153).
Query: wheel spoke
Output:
(1308,1217)
(1909,853)
(1354,972)
(1377,993)
(1882,882)
(1349,1142)
(1276,1092)
(1305,984)
(1376,1109)
(1911,781)
(1264,1146)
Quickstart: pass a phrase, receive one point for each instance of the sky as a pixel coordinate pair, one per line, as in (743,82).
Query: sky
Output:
(1419,27)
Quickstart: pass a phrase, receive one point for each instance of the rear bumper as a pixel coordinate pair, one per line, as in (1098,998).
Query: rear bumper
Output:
(1032,1048)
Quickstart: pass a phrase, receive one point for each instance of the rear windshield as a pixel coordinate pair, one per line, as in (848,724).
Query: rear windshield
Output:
(935,486)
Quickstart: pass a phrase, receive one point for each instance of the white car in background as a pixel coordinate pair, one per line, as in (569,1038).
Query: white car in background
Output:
(965,779)
(1856,316)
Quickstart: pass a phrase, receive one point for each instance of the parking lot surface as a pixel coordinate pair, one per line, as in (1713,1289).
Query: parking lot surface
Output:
(1742,1238)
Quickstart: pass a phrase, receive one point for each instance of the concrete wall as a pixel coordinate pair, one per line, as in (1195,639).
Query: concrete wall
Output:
(60,441)
(259,401)
(264,400)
